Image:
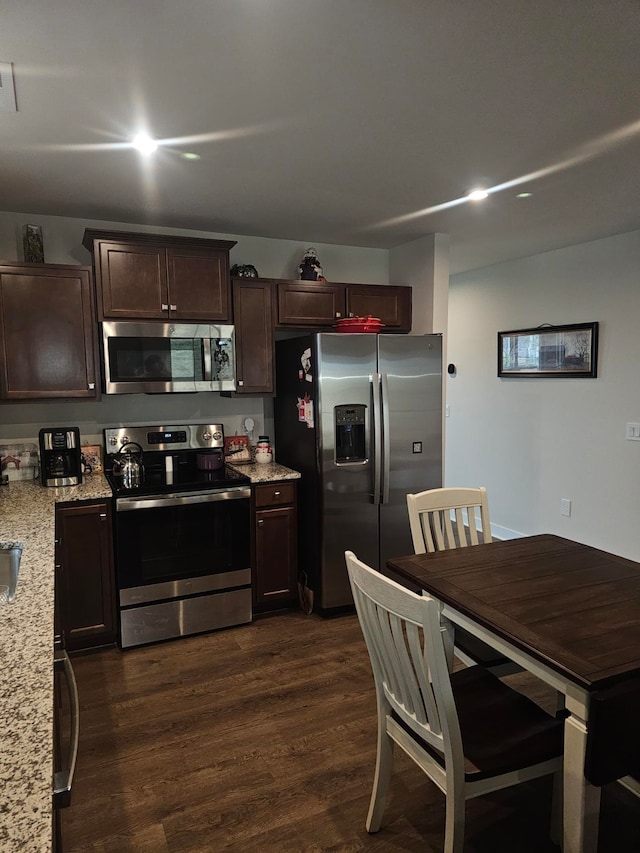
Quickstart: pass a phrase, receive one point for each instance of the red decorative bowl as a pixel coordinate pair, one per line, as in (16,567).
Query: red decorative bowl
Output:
(370,325)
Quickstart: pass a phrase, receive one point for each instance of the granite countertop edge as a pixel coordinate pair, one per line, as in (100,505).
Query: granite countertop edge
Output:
(266,472)
(27,516)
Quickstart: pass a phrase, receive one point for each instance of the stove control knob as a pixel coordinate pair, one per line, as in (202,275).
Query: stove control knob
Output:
(113,440)
(206,436)
(124,440)
(217,436)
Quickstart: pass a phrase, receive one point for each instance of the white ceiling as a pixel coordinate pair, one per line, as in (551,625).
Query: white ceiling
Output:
(330,121)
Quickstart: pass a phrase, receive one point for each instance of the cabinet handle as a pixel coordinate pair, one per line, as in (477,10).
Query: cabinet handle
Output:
(261,521)
(338,314)
(173,307)
(240,381)
(276,494)
(165,306)
(92,386)
(102,516)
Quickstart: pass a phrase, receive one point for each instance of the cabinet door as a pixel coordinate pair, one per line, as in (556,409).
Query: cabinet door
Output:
(47,343)
(85,574)
(276,566)
(310,304)
(391,304)
(132,281)
(253,319)
(199,286)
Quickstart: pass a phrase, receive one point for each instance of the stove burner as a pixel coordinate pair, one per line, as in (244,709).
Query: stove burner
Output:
(184,478)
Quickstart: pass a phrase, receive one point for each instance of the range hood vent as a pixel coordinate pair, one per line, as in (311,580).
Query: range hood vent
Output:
(7,88)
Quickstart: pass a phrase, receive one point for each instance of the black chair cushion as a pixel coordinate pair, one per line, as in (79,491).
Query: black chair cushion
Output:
(502,730)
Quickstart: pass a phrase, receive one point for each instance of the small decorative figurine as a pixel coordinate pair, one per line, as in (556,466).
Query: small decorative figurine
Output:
(310,269)
(32,244)
(244,271)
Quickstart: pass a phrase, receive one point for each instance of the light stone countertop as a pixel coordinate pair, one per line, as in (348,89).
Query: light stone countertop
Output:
(27,513)
(265,472)
(27,516)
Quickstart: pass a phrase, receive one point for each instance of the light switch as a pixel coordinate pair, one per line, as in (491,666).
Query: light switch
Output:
(633,432)
(565,507)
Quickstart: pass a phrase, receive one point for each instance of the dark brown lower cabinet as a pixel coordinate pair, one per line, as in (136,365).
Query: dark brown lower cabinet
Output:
(275,583)
(85,581)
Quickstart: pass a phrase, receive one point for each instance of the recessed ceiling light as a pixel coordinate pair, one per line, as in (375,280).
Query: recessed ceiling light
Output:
(187,155)
(477,195)
(524,195)
(144,143)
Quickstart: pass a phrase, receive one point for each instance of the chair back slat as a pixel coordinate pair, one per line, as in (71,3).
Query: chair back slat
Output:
(432,526)
(403,635)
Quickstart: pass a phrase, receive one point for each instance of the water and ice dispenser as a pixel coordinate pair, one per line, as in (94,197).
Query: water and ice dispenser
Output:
(350,433)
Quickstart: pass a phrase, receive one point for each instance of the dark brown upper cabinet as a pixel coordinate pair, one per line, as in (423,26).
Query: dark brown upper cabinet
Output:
(160,277)
(47,341)
(320,304)
(390,303)
(253,316)
(305,303)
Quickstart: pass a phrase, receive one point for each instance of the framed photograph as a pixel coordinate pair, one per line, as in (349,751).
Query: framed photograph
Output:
(92,458)
(550,351)
(236,449)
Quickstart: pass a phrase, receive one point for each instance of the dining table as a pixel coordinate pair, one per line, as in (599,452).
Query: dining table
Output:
(569,614)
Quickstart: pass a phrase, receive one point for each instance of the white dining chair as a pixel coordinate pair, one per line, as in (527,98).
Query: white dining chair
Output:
(467,730)
(432,525)
(434,529)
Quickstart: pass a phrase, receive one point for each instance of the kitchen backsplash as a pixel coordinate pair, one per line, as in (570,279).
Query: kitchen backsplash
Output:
(20,461)
(19,441)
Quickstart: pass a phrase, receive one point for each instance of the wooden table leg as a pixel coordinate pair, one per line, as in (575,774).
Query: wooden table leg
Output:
(581,799)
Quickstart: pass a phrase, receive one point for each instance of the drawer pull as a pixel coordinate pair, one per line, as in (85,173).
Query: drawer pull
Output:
(276,494)
(261,521)
(165,306)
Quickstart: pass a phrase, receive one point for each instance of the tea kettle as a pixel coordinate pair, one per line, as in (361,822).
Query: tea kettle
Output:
(128,465)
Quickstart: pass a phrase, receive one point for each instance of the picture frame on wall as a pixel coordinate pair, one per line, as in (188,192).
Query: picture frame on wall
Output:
(566,351)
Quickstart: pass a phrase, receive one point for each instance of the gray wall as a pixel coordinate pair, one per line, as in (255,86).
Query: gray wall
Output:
(532,442)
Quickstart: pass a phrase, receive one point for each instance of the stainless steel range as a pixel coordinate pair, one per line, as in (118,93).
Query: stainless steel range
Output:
(182,532)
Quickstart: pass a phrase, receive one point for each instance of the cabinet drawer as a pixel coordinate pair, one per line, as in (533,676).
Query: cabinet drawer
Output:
(276,494)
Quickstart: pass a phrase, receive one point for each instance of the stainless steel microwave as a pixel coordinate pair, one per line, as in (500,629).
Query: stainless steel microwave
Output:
(167,358)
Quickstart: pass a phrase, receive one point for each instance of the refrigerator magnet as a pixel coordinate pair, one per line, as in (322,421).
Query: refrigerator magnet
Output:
(305,360)
(308,413)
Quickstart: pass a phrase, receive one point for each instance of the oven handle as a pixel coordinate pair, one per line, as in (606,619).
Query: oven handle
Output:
(155,502)
(63,779)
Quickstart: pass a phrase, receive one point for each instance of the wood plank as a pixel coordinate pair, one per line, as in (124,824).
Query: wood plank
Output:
(262,737)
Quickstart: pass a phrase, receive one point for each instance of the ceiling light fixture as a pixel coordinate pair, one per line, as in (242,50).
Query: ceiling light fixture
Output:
(477,195)
(524,195)
(144,143)
(188,155)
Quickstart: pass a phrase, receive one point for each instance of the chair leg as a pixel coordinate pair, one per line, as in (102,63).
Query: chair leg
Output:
(382,777)
(556,809)
(454,821)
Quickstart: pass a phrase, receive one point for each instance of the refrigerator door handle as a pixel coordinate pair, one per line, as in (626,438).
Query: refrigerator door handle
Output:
(386,438)
(376,429)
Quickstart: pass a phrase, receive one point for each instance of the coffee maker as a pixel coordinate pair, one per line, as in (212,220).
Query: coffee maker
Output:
(60,456)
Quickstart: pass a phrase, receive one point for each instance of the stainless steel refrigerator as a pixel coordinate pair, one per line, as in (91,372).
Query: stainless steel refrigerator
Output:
(360,416)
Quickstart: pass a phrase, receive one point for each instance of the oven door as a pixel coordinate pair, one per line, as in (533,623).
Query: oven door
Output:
(180,544)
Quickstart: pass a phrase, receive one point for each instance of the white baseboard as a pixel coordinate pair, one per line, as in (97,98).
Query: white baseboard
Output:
(498,532)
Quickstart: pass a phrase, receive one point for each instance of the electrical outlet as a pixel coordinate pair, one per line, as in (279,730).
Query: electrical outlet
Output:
(565,507)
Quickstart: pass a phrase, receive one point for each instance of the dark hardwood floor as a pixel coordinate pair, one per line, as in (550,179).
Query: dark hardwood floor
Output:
(262,737)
